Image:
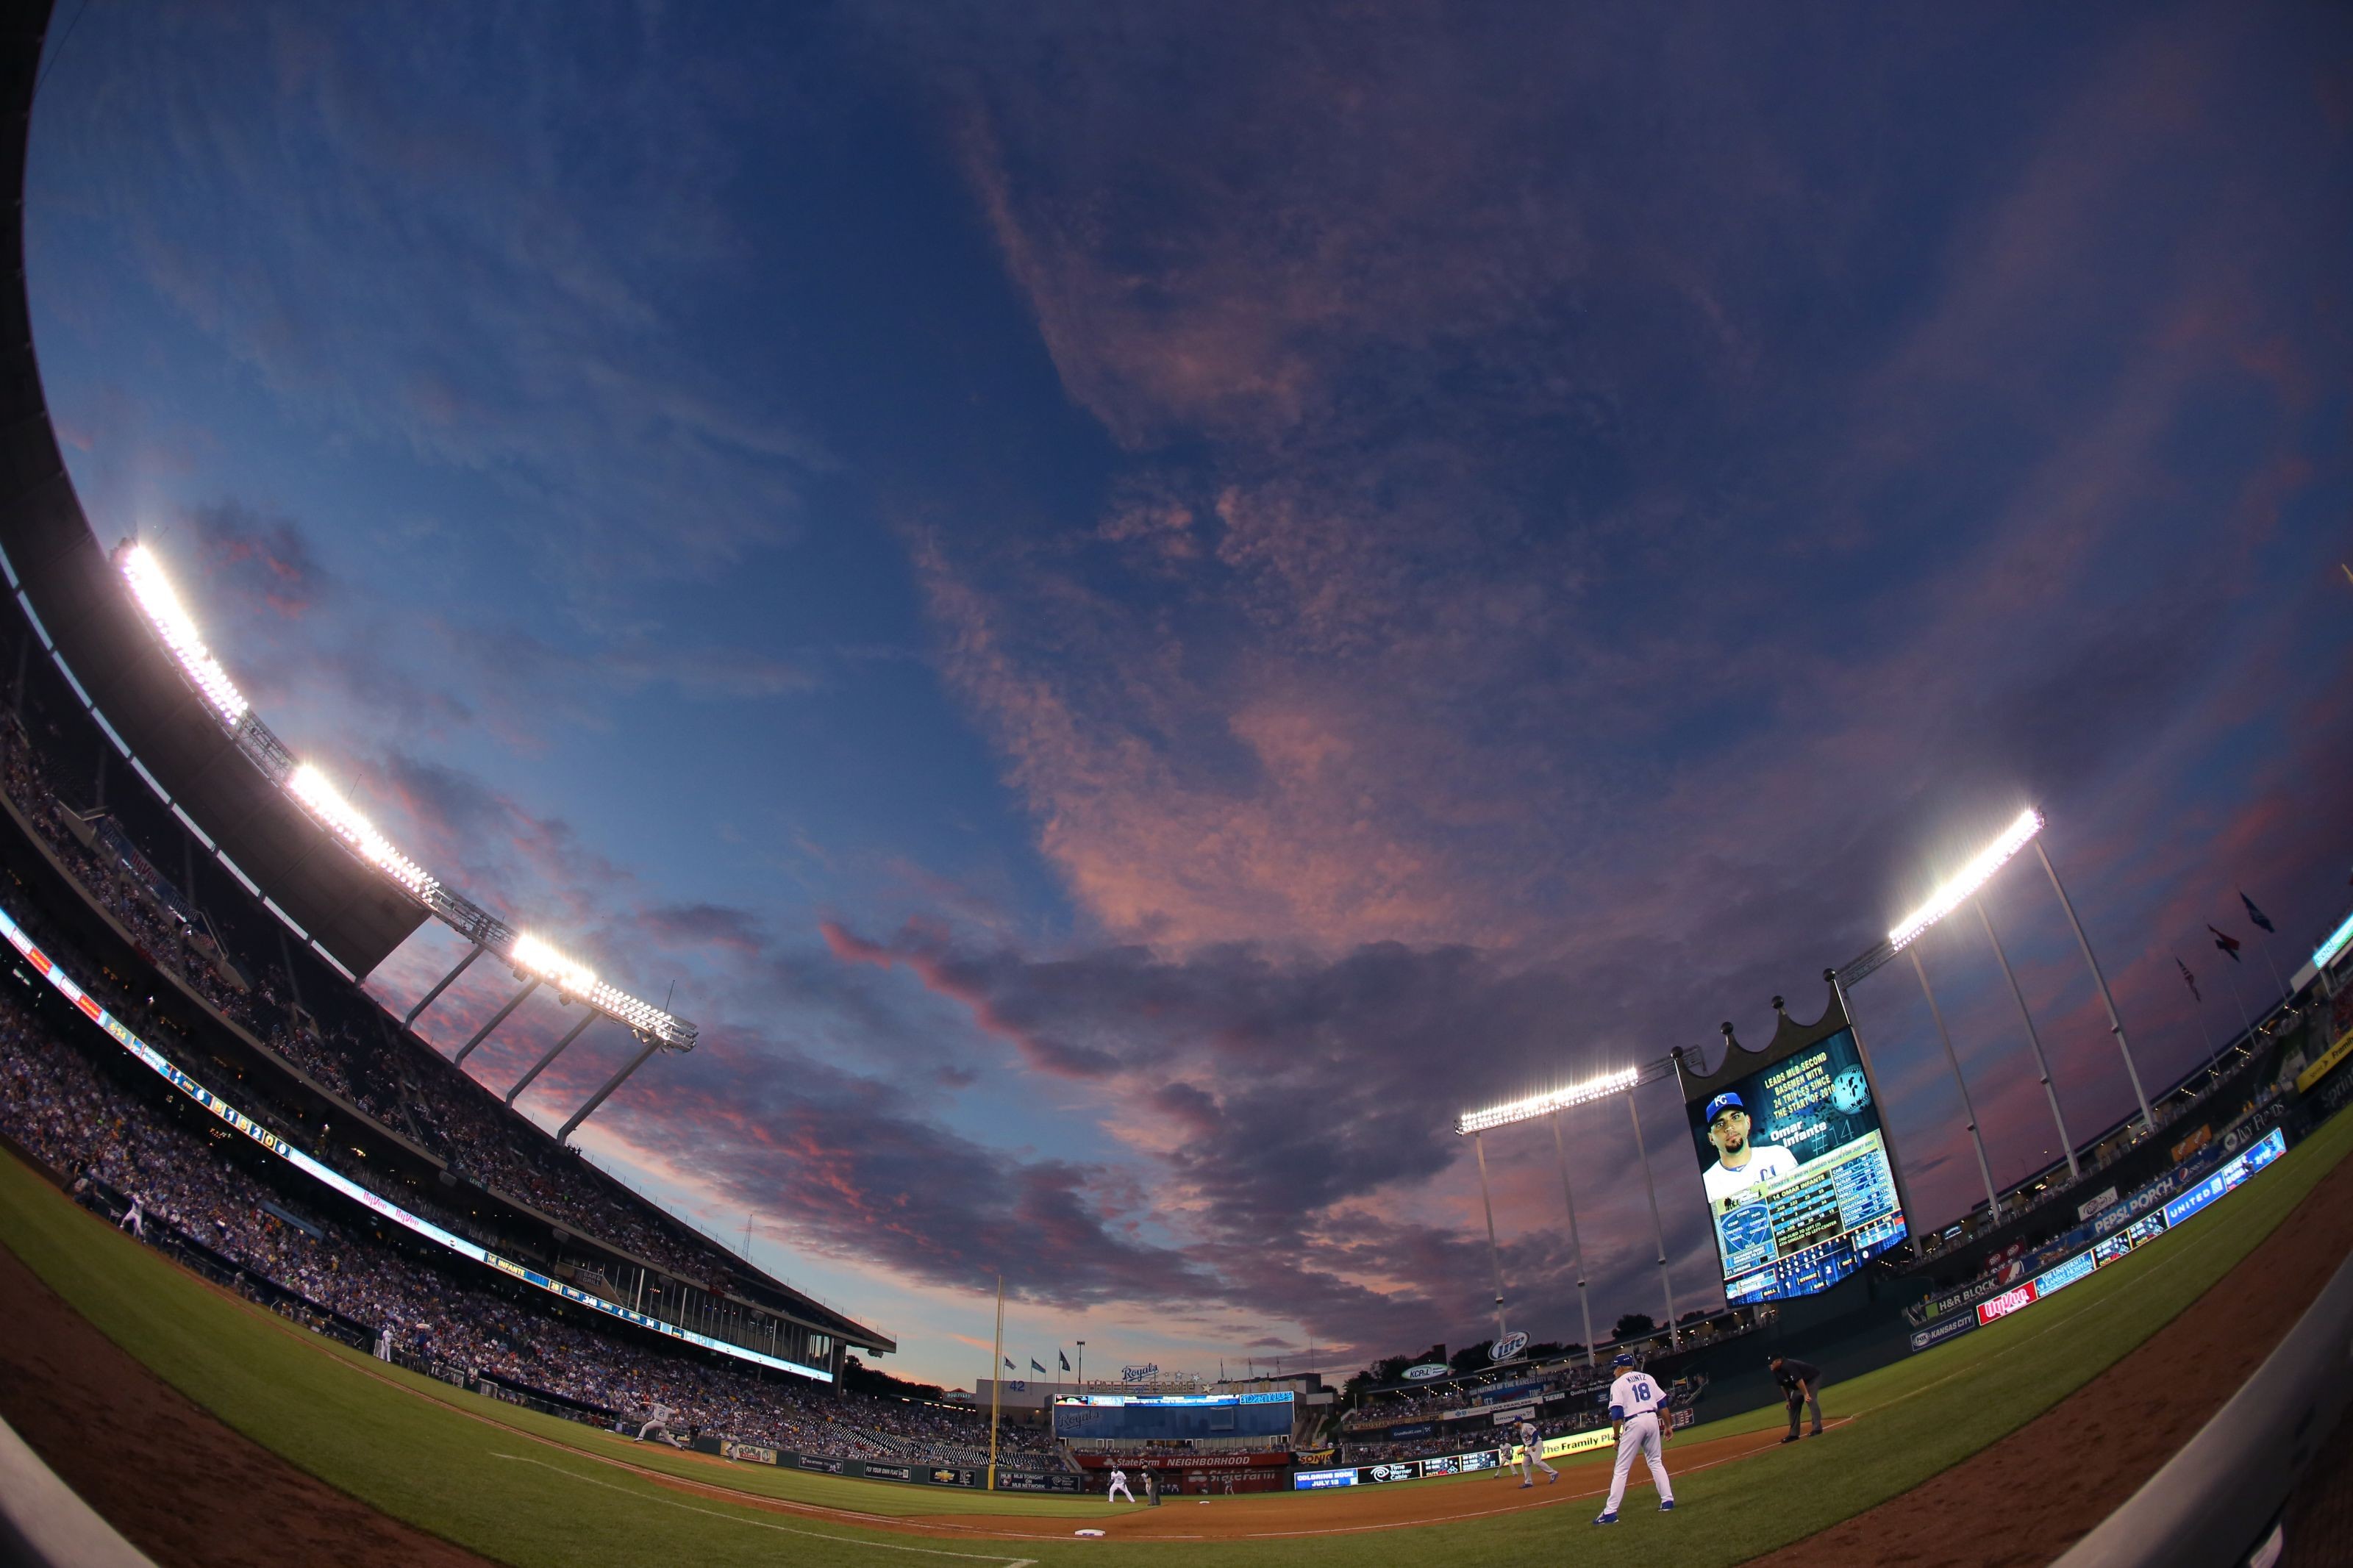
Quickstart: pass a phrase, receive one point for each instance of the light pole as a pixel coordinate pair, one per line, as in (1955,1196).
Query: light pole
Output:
(2116,1024)
(2049,1091)
(1674,1330)
(1479,1145)
(1993,1204)
(1576,1246)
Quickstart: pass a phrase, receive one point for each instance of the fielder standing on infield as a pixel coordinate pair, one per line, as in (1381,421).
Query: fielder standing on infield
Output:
(1531,1457)
(1637,1409)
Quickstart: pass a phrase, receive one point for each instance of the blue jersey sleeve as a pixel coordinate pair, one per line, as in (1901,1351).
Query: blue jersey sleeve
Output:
(1617,1413)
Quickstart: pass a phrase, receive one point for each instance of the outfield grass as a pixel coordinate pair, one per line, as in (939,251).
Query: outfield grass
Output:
(433,1464)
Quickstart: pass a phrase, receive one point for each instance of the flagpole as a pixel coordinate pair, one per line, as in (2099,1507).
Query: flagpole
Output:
(2236,995)
(995,1382)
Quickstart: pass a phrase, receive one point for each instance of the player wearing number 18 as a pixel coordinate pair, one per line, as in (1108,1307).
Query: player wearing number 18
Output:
(1638,1411)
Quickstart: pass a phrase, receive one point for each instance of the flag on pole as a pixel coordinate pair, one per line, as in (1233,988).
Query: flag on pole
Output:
(2256,915)
(1063,1358)
(2190,980)
(1036,1368)
(1009,1366)
(2227,943)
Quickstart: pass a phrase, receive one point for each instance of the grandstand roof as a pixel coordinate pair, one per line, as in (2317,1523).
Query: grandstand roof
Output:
(59,566)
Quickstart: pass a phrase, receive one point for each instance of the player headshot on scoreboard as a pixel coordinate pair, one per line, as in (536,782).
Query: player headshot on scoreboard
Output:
(1739,1164)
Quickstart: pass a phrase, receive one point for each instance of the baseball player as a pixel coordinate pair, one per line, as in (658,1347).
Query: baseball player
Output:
(658,1420)
(1638,1413)
(1119,1486)
(1739,1164)
(1801,1387)
(1532,1459)
(134,1219)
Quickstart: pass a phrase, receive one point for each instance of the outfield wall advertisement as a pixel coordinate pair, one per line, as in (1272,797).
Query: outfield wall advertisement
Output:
(1795,1165)
(1991,1301)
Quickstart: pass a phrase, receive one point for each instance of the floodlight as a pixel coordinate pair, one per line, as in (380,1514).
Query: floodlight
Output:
(568,973)
(1545,1104)
(310,787)
(1973,876)
(2338,940)
(178,629)
(574,978)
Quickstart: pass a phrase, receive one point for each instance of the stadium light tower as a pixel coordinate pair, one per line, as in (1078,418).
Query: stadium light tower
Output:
(1550,1104)
(1964,886)
(2034,1041)
(2116,1024)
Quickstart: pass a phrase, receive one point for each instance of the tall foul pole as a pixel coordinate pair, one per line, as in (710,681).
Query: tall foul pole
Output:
(1576,1246)
(1658,1231)
(995,1382)
(1494,1258)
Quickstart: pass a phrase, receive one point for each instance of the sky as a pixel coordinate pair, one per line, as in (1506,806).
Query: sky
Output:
(1132,607)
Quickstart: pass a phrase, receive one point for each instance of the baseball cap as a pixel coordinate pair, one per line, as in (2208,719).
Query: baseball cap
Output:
(1624,1359)
(1723,1102)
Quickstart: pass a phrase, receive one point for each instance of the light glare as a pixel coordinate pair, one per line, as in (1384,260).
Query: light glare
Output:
(310,787)
(1545,1104)
(178,629)
(574,978)
(1972,876)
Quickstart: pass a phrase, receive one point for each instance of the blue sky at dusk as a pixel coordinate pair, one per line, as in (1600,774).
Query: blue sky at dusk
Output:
(1138,603)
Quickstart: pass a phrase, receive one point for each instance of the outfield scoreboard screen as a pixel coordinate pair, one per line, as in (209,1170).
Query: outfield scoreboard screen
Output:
(1168,1418)
(1795,1165)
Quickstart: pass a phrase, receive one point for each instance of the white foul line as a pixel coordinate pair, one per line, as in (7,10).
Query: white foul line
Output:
(766,1524)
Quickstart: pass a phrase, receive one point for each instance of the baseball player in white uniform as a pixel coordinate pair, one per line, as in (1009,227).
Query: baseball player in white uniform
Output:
(1119,1486)
(1637,1407)
(134,1218)
(658,1420)
(1531,1457)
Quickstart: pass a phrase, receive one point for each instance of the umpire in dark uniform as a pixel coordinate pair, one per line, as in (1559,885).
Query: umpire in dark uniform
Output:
(1801,1387)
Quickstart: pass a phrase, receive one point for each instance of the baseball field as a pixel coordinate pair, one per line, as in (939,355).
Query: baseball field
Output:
(212,1431)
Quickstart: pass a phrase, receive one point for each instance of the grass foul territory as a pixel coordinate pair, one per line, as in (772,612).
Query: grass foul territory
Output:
(529,1490)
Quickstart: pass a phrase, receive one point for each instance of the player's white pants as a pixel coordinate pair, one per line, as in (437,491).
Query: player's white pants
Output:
(1119,1489)
(1639,1434)
(1532,1461)
(650,1427)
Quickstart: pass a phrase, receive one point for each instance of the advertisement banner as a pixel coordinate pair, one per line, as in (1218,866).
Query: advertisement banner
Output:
(1797,1175)
(1321,1480)
(2095,1203)
(2325,1065)
(1951,1327)
(2009,1301)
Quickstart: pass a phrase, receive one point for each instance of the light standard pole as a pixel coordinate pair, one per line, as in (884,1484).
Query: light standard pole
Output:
(1993,1204)
(1658,1231)
(1494,1258)
(1083,1367)
(2041,1066)
(1575,1245)
(2116,1024)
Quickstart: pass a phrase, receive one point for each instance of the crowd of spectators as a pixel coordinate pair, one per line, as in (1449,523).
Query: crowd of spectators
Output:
(60,1106)
(395,1081)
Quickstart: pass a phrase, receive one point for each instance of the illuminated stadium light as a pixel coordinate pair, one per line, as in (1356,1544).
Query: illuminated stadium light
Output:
(310,787)
(1545,1104)
(1973,876)
(574,978)
(2338,940)
(177,629)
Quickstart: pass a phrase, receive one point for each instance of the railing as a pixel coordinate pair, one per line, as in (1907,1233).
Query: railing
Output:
(2218,1500)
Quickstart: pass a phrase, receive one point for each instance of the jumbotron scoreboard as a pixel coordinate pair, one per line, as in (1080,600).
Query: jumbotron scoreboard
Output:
(1801,1186)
